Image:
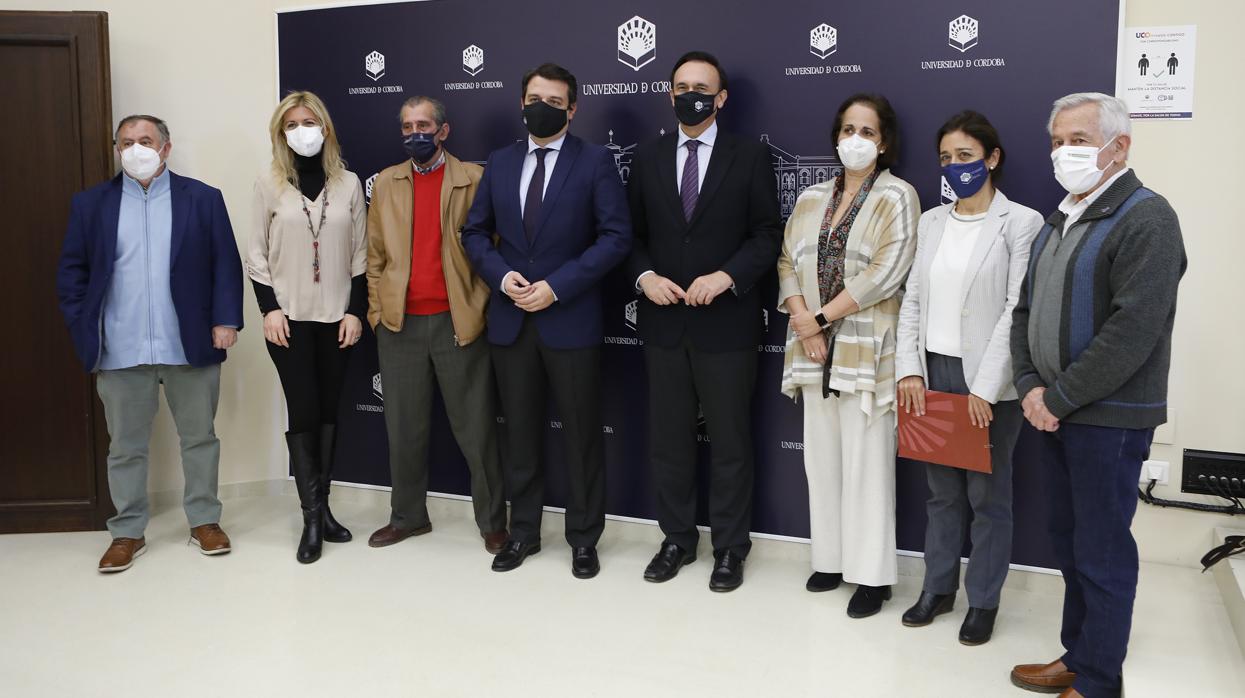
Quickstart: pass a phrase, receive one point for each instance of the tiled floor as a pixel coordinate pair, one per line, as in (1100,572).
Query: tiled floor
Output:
(428,618)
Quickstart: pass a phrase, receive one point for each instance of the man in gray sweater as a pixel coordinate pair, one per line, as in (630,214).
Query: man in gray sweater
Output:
(1091,349)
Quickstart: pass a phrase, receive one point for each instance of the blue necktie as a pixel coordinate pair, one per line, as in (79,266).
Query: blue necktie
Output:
(535,195)
(689,190)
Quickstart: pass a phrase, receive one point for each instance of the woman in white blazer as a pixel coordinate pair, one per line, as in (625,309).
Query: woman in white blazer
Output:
(953,336)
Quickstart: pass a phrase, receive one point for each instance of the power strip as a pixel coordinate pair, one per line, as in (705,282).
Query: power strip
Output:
(1215,473)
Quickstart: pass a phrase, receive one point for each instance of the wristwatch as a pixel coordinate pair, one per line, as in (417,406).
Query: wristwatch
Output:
(820,317)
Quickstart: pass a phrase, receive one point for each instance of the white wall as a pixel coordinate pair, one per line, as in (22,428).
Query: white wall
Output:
(208,69)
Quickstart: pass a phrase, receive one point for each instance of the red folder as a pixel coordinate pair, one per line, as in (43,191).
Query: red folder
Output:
(945,435)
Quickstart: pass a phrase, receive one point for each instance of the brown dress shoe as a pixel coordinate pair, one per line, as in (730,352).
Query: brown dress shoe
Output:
(210,539)
(390,534)
(1043,678)
(121,553)
(494,541)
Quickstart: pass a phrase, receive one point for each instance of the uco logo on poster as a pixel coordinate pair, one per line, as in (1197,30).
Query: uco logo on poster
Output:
(823,42)
(374,69)
(637,42)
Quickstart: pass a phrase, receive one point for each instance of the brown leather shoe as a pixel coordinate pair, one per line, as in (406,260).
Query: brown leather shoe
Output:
(210,539)
(389,534)
(121,553)
(495,540)
(1043,678)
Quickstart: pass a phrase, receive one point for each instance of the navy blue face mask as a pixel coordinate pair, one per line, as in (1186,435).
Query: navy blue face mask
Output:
(422,147)
(966,178)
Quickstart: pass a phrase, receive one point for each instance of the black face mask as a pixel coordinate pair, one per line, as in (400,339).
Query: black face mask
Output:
(693,108)
(543,120)
(420,146)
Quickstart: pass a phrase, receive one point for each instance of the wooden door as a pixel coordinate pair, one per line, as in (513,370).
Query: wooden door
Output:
(56,122)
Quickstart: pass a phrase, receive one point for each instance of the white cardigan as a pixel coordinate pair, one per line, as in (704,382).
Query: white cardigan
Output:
(996,269)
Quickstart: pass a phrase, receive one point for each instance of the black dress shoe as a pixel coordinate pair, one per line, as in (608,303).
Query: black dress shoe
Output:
(667,562)
(584,563)
(867,600)
(824,581)
(728,572)
(927,607)
(978,626)
(513,555)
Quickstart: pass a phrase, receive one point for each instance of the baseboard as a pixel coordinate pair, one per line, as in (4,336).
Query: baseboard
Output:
(1230,576)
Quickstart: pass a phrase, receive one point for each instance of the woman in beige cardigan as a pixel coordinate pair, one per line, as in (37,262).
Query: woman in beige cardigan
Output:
(846,252)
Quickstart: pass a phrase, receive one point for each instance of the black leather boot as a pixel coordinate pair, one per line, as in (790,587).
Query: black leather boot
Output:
(928,607)
(978,626)
(305,462)
(334,532)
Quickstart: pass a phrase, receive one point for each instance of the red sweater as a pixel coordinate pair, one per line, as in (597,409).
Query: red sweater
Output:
(425,292)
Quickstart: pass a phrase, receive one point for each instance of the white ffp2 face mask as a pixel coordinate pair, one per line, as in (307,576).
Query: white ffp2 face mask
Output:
(856,152)
(305,140)
(140,162)
(1076,167)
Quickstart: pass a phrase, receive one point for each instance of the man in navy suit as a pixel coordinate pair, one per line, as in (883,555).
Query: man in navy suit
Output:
(150,285)
(548,222)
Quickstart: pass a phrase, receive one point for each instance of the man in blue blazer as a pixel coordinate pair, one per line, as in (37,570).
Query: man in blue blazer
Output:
(548,222)
(150,285)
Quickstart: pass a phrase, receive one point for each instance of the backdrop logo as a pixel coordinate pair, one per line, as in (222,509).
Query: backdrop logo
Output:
(374,65)
(637,42)
(823,40)
(473,60)
(630,314)
(962,33)
(367,188)
(378,389)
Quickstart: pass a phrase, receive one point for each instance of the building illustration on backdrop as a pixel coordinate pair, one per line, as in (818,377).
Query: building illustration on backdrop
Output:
(622,157)
(795,172)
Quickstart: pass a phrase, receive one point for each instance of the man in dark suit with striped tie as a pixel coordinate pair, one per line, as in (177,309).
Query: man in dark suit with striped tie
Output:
(549,220)
(705,210)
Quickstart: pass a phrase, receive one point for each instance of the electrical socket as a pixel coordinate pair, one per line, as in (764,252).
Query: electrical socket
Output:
(1155,470)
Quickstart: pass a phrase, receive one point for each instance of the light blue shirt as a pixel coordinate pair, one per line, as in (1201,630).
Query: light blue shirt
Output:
(139,321)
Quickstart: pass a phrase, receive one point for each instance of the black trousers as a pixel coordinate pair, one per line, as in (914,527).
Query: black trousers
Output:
(312,370)
(527,371)
(682,379)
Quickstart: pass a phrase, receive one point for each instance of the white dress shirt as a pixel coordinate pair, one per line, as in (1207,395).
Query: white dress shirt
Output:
(947,274)
(1074,209)
(525,179)
(529,168)
(704,151)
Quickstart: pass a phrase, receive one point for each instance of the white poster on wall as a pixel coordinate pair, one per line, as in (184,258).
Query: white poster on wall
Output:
(1157,69)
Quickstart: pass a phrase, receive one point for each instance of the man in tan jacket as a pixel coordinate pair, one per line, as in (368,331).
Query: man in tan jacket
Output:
(427,308)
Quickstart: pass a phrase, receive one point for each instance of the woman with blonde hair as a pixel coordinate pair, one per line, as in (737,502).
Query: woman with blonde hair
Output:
(306,259)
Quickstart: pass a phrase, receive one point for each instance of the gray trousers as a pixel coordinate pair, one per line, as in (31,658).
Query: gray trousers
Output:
(424,354)
(955,492)
(131,397)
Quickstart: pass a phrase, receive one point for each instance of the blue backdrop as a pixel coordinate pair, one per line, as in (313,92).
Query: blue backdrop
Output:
(790,65)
